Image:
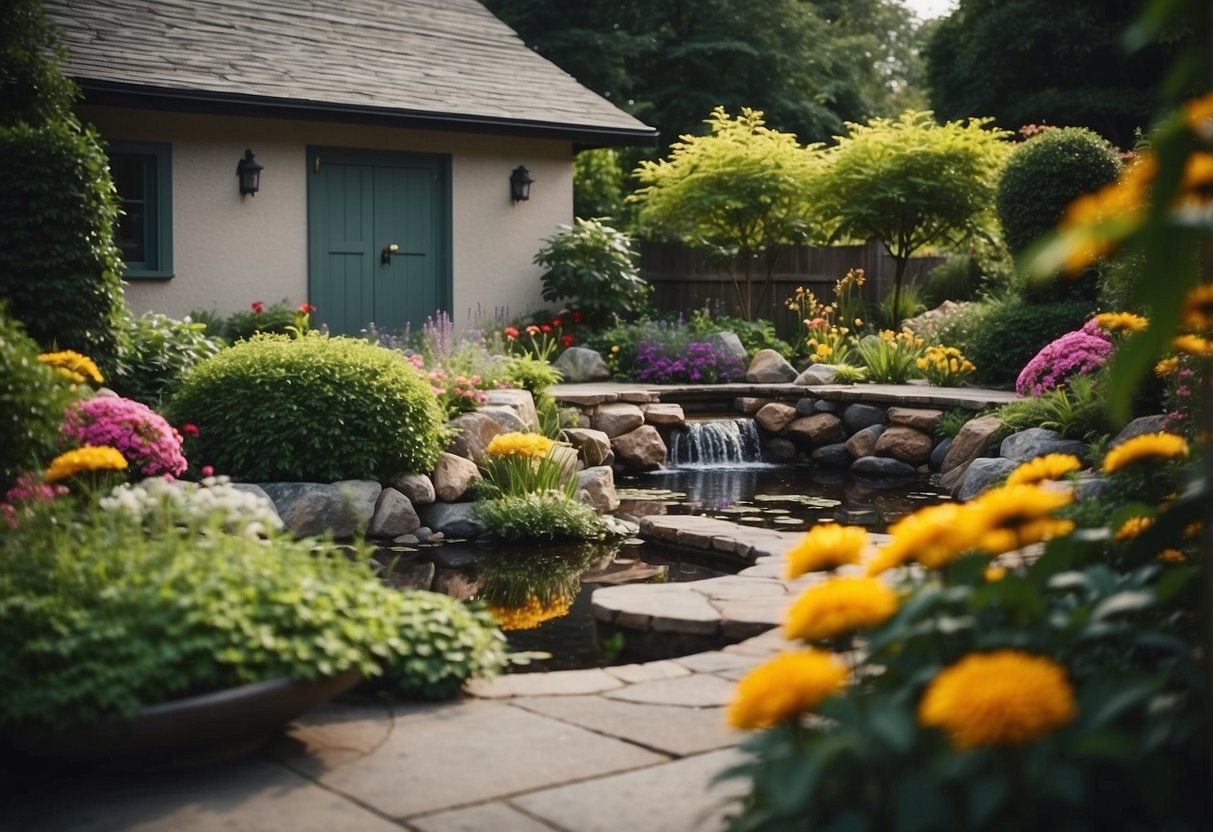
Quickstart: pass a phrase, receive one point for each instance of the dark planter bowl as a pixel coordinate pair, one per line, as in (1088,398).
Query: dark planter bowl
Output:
(200,729)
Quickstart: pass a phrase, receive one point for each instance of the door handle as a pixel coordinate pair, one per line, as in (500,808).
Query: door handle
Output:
(386,255)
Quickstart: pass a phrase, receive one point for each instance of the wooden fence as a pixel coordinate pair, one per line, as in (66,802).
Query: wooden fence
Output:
(683,282)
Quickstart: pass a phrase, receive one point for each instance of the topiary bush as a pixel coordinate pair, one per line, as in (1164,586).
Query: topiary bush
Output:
(33,398)
(310,409)
(1005,334)
(1044,174)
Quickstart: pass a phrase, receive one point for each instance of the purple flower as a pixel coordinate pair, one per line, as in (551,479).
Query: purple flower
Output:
(1071,354)
(140,434)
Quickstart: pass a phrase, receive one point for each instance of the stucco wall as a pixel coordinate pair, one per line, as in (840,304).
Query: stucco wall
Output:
(229,251)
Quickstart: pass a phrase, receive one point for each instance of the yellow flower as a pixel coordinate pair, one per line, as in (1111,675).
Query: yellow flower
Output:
(995,573)
(1198,114)
(1121,322)
(825,547)
(81,460)
(1167,366)
(1193,345)
(1047,467)
(933,536)
(785,687)
(1171,556)
(840,606)
(531,614)
(1015,516)
(73,366)
(1197,314)
(524,445)
(1132,527)
(1146,446)
(1006,697)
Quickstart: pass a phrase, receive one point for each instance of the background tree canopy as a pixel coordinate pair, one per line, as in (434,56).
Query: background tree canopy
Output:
(809,66)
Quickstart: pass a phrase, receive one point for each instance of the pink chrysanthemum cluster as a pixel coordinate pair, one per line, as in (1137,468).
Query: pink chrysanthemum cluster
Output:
(149,443)
(28,491)
(1081,351)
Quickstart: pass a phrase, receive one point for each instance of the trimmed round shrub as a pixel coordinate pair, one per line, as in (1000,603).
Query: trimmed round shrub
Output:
(1045,174)
(33,398)
(316,408)
(1007,334)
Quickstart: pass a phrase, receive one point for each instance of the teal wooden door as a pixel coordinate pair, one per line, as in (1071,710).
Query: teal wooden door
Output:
(378,238)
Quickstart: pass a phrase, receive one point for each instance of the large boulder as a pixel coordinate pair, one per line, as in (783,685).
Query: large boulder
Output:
(1139,427)
(394,515)
(924,419)
(417,487)
(454,477)
(472,433)
(858,416)
(520,401)
(769,367)
(938,454)
(832,456)
(775,416)
(617,418)
(506,417)
(984,472)
(581,364)
(818,429)
(727,343)
(780,449)
(904,443)
(666,415)
(452,519)
(308,509)
(641,449)
(863,443)
(596,488)
(1034,442)
(815,375)
(970,442)
(594,446)
(883,468)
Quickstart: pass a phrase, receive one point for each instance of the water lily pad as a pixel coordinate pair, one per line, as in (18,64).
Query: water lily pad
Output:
(752,518)
(649,494)
(788,521)
(802,499)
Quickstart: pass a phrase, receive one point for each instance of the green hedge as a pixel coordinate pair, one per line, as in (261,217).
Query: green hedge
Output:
(1008,333)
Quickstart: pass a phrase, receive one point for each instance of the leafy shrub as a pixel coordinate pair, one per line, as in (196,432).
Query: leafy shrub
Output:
(958,279)
(312,408)
(33,398)
(595,266)
(537,376)
(157,351)
(147,442)
(598,181)
(896,307)
(193,610)
(1045,174)
(546,516)
(274,318)
(32,87)
(59,266)
(1005,334)
(754,335)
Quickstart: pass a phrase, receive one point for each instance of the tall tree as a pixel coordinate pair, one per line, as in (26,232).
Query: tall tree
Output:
(1040,61)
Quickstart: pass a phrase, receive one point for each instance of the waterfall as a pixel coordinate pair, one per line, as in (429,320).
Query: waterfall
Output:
(715,443)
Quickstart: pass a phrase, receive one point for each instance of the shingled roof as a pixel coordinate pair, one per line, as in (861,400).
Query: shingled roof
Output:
(441,64)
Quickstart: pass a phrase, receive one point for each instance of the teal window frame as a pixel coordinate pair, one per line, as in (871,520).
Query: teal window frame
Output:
(157,199)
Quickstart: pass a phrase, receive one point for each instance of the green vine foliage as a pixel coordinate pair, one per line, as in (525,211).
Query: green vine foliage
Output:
(310,409)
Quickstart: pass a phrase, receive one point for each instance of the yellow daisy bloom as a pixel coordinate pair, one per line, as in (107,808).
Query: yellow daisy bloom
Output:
(1015,516)
(1193,345)
(784,687)
(933,536)
(1146,446)
(1167,366)
(1197,314)
(1121,322)
(1047,467)
(1132,527)
(1198,114)
(995,573)
(531,614)
(83,460)
(73,366)
(839,606)
(525,445)
(1006,697)
(826,547)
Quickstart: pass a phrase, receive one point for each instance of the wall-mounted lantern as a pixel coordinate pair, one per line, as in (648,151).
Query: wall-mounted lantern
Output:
(520,184)
(249,172)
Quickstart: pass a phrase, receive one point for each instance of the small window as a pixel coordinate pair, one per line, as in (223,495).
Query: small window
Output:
(142,174)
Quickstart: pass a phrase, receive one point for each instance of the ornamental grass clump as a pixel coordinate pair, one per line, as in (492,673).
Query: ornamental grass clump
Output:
(891,357)
(142,436)
(516,464)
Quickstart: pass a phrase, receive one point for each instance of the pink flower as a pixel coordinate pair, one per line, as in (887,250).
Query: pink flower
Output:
(208,470)
(140,434)
(1072,354)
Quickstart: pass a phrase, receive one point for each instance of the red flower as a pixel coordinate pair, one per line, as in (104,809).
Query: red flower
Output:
(511,332)
(577,316)
(566,340)
(532,330)
(556,322)
(258,307)
(208,470)
(545,329)
(306,308)
(189,429)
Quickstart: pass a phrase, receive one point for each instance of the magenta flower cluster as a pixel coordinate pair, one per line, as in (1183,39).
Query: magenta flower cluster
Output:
(28,491)
(1081,351)
(148,442)
(700,363)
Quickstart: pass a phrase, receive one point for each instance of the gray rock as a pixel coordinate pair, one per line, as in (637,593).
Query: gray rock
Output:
(818,429)
(815,374)
(451,519)
(311,508)
(510,421)
(904,443)
(775,416)
(594,446)
(454,477)
(596,488)
(984,472)
(641,449)
(1139,427)
(617,418)
(883,468)
(858,416)
(825,406)
(920,418)
(832,456)
(407,539)
(807,407)
(412,574)
(729,344)
(954,479)
(970,442)
(417,487)
(780,449)
(520,401)
(939,452)
(769,367)
(1034,442)
(863,443)
(472,434)
(581,364)
(257,491)
(394,515)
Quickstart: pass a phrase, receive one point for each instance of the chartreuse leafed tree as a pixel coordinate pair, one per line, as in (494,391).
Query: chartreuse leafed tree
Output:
(739,194)
(911,182)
